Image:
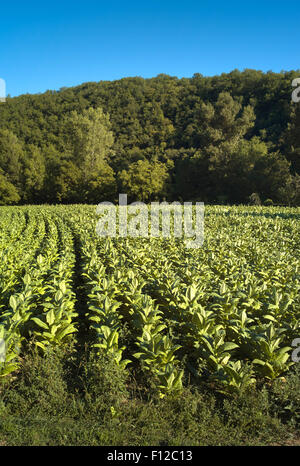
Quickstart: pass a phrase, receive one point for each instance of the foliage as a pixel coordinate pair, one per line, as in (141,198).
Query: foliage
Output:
(218,139)
(116,336)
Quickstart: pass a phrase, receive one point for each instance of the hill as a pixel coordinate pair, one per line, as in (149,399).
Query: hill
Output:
(214,139)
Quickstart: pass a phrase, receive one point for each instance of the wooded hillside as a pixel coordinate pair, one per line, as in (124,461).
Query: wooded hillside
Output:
(232,138)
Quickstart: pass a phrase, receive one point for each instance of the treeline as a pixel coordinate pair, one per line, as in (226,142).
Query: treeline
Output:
(232,138)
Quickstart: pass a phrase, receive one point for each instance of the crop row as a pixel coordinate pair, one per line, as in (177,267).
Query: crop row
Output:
(226,312)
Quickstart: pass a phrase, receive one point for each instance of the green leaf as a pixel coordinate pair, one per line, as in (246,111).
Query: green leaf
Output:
(40,323)
(13,303)
(50,317)
(229,346)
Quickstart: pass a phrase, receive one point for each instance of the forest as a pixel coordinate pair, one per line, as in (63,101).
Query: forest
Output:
(227,139)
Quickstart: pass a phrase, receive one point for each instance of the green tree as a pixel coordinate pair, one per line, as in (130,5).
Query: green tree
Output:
(53,164)
(292,140)
(101,187)
(89,140)
(68,183)
(8,192)
(11,156)
(144,180)
(86,174)
(290,192)
(33,174)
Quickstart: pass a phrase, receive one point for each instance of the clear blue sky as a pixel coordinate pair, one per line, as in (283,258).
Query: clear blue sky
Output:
(66,43)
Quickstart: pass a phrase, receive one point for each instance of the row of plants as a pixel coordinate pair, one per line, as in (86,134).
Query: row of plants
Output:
(38,304)
(225,313)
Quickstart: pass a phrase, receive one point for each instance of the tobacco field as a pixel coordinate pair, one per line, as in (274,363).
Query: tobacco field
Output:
(225,313)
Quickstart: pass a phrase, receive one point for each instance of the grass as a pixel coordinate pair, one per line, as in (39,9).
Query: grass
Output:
(72,397)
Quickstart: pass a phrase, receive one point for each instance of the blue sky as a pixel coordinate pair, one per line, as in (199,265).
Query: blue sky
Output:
(65,43)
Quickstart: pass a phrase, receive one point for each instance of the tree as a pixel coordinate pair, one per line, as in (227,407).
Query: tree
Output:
(85,172)
(101,187)
(144,181)
(8,192)
(53,165)
(290,192)
(292,140)
(33,174)
(68,183)
(11,156)
(191,176)
(89,140)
